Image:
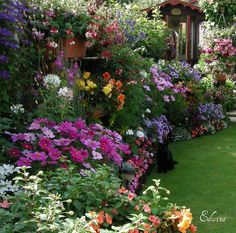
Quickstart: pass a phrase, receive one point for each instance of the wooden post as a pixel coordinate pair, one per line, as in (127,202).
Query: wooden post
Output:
(188,44)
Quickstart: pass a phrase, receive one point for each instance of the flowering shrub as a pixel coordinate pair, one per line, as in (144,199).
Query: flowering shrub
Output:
(160,127)
(210,112)
(49,144)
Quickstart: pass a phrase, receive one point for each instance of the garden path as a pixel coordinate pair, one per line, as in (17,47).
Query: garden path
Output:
(205,179)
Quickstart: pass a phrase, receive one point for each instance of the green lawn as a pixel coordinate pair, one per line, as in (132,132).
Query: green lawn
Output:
(205,179)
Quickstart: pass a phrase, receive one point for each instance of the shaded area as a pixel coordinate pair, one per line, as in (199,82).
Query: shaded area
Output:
(204,179)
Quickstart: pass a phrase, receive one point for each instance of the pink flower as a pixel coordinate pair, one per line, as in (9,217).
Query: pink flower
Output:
(48,132)
(146,208)
(5,204)
(97,155)
(80,124)
(62,142)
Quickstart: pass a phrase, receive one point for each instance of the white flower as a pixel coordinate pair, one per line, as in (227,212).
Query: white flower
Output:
(17,108)
(148,110)
(140,134)
(65,92)
(130,132)
(144,73)
(52,80)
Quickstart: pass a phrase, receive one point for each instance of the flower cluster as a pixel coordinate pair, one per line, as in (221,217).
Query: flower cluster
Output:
(210,112)
(106,32)
(12,16)
(165,82)
(51,81)
(183,219)
(17,109)
(114,87)
(85,84)
(161,126)
(6,185)
(48,143)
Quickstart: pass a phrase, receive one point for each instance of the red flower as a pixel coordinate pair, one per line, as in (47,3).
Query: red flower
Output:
(108,219)
(134,231)
(123,190)
(131,196)
(106,76)
(54,30)
(106,54)
(14,152)
(193,228)
(27,146)
(100,217)
(155,221)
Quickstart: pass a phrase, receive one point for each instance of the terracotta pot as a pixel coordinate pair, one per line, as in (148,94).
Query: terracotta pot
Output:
(74,48)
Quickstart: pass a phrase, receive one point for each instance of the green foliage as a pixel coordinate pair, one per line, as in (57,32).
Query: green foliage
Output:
(218,11)
(89,192)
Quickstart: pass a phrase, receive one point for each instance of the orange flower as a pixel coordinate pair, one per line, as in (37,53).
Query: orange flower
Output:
(123,190)
(186,220)
(147,227)
(95,227)
(131,196)
(108,219)
(100,217)
(112,81)
(193,228)
(119,84)
(106,76)
(121,98)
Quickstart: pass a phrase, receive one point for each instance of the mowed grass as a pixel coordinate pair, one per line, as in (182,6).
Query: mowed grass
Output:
(205,179)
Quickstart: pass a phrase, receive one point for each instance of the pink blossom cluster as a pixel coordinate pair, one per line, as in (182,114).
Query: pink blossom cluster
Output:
(225,47)
(48,143)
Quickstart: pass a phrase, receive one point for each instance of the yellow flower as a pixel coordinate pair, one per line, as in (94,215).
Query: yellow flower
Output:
(86,75)
(87,88)
(81,84)
(91,84)
(107,89)
(186,220)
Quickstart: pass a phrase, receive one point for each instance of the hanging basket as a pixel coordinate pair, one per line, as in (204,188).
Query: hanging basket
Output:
(74,48)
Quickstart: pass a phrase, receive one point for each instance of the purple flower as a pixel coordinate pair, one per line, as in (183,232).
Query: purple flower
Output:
(147,88)
(48,132)
(91,144)
(3,59)
(38,156)
(5,32)
(54,154)
(62,142)
(166,98)
(24,162)
(4,74)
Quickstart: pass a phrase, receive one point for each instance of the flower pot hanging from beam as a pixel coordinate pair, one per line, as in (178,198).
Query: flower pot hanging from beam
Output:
(74,48)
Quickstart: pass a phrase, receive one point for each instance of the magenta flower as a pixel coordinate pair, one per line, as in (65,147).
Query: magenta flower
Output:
(45,144)
(80,124)
(105,144)
(24,162)
(38,156)
(125,148)
(78,156)
(54,154)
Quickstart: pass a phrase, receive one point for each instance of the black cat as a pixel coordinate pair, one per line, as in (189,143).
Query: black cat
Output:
(165,161)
